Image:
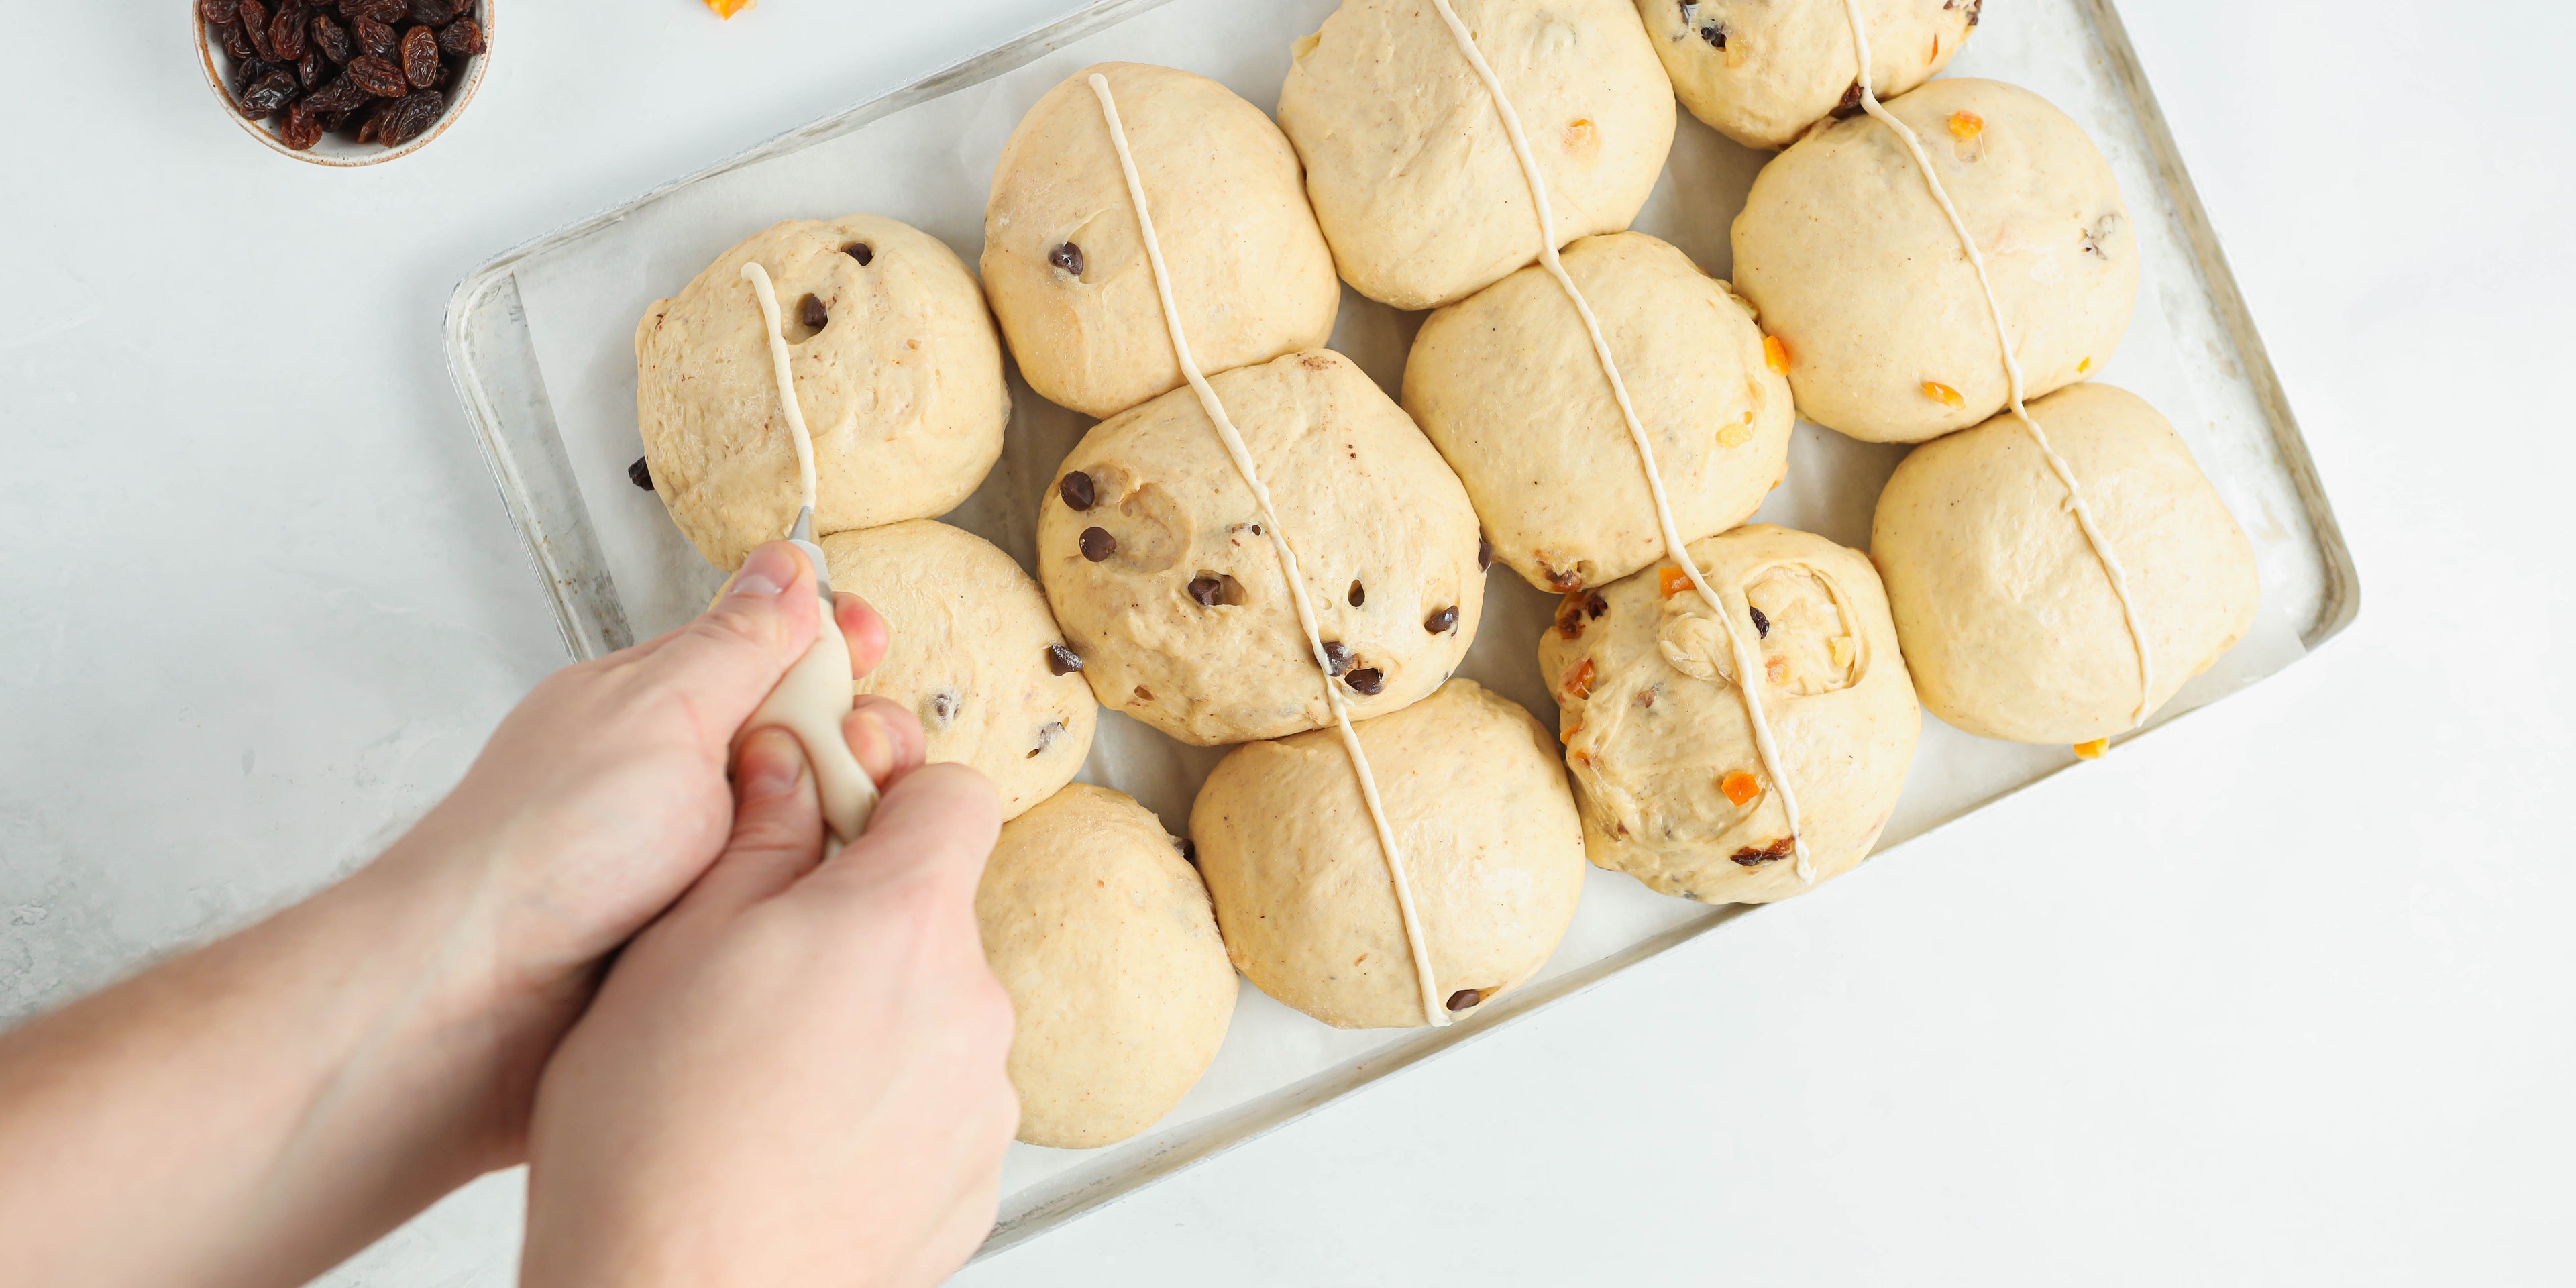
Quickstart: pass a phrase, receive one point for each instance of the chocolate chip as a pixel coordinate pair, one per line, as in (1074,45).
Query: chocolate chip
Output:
(1337,659)
(1368,680)
(1359,594)
(640,474)
(1061,660)
(1850,101)
(1205,590)
(1097,544)
(1465,997)
(1761,624)
(1075,487)
(1442,622)
(811,312)
(1715,35)
(1046,738)
(1067,257)
(860,251)
(943,707)
(1594,605)
(1484,554)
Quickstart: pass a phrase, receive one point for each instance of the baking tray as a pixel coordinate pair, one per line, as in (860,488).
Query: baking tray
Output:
(559,310)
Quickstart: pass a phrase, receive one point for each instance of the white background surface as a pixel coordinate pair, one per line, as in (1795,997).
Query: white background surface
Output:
(2283,995)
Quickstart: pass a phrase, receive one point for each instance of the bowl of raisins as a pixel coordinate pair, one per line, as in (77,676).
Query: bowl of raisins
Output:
(344,82)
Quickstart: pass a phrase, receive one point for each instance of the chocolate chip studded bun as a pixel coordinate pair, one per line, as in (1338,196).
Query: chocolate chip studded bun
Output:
(1506,384)
(1152,551)
(1673,786)
(2008,616)
(1859,274)
(1066,266)
(1761,71)
(896,368)
(1479,808)
(972,650)
(1412,175)
(1103,937)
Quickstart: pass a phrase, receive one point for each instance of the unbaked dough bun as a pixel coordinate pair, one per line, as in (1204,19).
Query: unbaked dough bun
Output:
(1413,177)
(2007,615)
(1861,277)
(972,650)
(1066,265)
(1480,809)
(901,387)
(1506,384)
(1761,71)
(1168,587)
(1103,937)
(1673,788)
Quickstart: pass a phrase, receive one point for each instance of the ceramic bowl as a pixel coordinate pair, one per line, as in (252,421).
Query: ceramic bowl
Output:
(334,149)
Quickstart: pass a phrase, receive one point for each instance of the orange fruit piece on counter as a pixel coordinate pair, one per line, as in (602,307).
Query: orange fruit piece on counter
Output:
(1672,581)
(1740,787)
(1966,125)
(2093,750)
(728,8)
(1776,354)
(1943,394)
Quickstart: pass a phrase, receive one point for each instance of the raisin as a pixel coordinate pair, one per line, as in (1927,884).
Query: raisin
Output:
(433,12)
(1368,680)
(1097,544)
(1337,659)
(302,129)
(1569,619)
(254,22)
(1442,622)
(381,11)
(247,72)
(286,31)
(1359,594)
(333,39)
(371,128)
(1075,488)
(640,474)
(273,91)
(338,96)
(1067,257)
(378,77)
(860,251)
(1061,660)
(1715,35)
(420,57)
(810,311)
(1206,590)
(1772,853)
(238,45)
(309,68)
(375,37)
(412,114)
(1594,605)
(1850,102)
(463,38)
(1484,554)
(219,12)
(1465,997)
(332,122)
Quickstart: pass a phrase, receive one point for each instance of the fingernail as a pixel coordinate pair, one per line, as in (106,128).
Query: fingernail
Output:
(769,570)
(772,761)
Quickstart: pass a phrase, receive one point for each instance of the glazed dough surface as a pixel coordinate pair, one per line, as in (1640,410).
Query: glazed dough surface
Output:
(1858,272)
(968,635)
(1786,64)
(1654,727)
(1489,832)
(1506,384)
(1365,498)
(1104,939)
(2009,622)
(1249,269)
(902,388)
(1412,178)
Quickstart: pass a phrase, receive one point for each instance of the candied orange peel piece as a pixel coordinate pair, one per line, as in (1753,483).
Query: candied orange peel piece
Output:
(2084,366)
(2092,750)
(1943,394)
(1740,787)
(1671,581)
(728,8)
(1578,682)
(1736,433)
(1776,354)
(1966,125)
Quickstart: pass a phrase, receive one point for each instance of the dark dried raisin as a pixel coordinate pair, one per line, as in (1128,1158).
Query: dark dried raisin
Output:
(1097,544)
(387,11)
(860,251)
(287,30)
(1067,257)
(375,37)
(640,474)
(811,312)
(433,12)
(338,96)
(254,22)
(1061,660)
(1442,622)
(1761,624)
(1465,997)
(302,129)
(219,12)
(1337,658)
(1368,680)
(378,77)
(420,57)
(309,69)
(238,45)
(1772,853)
(1850,102)
(1359,594)
(273,91)
(1484,554)
(1075,488)
(371,127)
(333,39)
(1594,605)
(412,114)
(1206,590)
(463,37)
(1714,34)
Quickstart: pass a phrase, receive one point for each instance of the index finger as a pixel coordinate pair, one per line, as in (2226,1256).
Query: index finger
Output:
(863,628)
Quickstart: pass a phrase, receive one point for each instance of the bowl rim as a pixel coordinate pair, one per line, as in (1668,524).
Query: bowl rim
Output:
(470,80)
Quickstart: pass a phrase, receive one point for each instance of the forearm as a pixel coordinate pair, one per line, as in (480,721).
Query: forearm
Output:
(253,1111)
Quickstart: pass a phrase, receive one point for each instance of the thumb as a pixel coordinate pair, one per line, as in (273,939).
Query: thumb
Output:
(733,654)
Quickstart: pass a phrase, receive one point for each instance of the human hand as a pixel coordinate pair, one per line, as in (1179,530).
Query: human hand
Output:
(796,1076)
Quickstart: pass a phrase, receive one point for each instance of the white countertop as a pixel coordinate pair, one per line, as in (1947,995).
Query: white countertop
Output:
(2282,995)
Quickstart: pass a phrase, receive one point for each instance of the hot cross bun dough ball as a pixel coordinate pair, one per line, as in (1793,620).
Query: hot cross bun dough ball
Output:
(1857,271)
(2008,615)
(1480,811)
(972,650)
(1761,71)
(1412,175)
(1506,384)
(1066,265)
(1161,570)
(1103,937)
(901,386)
(1674,789)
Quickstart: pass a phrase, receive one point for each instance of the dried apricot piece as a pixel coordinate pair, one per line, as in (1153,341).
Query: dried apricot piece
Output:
(1672,581)
(2092,750)
(1943,394)
(1740,787)
(1578,682)
(1966,125)
(1776,354)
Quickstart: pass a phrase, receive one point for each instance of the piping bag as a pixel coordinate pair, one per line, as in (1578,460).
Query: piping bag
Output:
(815,693)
